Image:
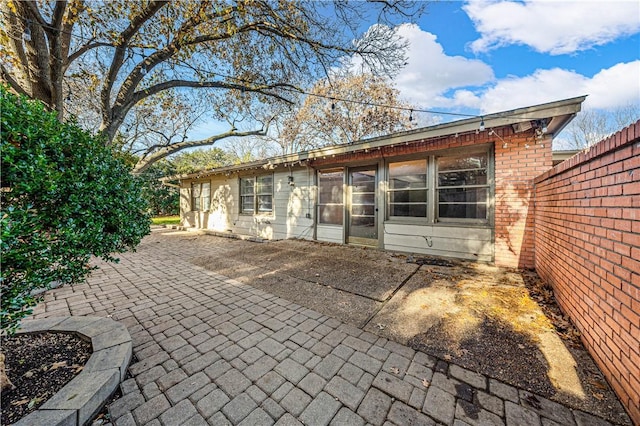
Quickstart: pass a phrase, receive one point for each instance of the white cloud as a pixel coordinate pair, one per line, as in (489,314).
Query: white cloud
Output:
(540,87)
(555,27)
(430,72)
(610,88)
(434,80)
(615,87)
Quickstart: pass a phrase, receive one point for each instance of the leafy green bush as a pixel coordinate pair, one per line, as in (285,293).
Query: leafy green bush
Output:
(65,197)
(163,200)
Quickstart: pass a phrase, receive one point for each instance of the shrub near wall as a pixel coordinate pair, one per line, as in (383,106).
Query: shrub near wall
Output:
(587,242)
(65,198)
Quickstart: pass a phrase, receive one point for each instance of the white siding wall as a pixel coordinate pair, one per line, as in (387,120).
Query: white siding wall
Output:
(330,233)
(223,203)
(459,242)
(293,207)
(294,212)
(185,204)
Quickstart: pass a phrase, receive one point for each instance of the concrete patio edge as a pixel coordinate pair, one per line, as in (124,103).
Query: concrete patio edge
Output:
(80,399)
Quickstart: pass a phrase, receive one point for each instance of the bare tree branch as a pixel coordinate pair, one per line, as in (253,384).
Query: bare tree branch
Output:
(146,72)
(84,49)
(155,155)
(117,61)
(138,96)
(35,12)
(7,78)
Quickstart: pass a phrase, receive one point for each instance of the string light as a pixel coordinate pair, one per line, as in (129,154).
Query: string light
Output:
(26,35)
(143,71)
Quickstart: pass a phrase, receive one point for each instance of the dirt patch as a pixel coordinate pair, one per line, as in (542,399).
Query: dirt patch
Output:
(490,347)
(500,322)
(350,308)
(39,365)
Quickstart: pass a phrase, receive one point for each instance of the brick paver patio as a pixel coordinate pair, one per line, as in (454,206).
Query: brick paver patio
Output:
(210,350)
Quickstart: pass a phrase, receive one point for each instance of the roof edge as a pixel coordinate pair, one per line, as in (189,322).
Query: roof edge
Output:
(564,109)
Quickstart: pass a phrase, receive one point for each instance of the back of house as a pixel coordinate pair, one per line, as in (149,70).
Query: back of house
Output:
(462,189)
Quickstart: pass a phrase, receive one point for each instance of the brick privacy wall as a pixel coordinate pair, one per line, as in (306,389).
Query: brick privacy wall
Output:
(519,158)
(587,243)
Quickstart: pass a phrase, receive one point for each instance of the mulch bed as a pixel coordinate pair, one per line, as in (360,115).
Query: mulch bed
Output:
(39,365)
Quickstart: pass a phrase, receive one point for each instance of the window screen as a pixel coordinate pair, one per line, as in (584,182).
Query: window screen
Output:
(330,197)
(462,187)
(407,194)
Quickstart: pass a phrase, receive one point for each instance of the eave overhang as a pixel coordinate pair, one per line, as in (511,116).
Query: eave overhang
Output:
(554,116)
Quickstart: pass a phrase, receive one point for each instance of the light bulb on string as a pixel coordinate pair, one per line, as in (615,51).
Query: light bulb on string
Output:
(26,35)
(482,124)
(411,115)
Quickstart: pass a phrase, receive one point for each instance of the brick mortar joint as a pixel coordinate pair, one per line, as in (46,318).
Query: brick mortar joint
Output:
(591,153)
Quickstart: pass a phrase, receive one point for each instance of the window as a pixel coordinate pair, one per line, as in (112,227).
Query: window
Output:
(256,194)
(330,197)
(200,196)
(462,187)
(247,197)
(408,189)
(440,188)
(264,193)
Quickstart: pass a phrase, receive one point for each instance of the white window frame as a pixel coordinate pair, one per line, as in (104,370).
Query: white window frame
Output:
(338,206)
(200,196)
(391,191)
(486,186)
(256,208)
(433,188)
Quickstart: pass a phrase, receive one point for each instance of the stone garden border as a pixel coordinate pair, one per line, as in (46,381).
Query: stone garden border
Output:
(80,399)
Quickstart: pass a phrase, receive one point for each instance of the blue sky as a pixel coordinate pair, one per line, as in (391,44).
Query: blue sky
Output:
(488,56)
(484,56)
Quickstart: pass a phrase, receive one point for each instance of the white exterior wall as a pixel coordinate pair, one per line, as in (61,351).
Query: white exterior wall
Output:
(440,240)
(293,206)
(330,233)
(294,214)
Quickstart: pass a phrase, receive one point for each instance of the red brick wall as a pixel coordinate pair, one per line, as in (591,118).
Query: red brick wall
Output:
(519,158)
(587,240)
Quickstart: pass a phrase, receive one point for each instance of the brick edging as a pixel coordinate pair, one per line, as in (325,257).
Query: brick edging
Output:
(80,399)
(626,136)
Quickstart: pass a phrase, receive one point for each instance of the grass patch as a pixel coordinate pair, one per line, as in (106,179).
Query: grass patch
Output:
(166,220)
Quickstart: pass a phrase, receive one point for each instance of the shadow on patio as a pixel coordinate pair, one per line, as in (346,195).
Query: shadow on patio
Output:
(496,321)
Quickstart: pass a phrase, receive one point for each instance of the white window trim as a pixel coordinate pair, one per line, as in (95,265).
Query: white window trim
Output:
(389,191)
(255,211)
(318,204)
(200,197)
(432,218)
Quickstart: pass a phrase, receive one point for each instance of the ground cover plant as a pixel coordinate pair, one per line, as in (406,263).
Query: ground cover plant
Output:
(65,197)
(166,220)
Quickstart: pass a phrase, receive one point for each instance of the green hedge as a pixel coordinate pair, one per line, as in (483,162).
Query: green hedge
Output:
(65,197)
